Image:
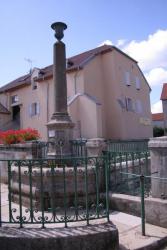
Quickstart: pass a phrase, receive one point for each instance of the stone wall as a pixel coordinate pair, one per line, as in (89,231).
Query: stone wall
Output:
(22,151)
(155,208)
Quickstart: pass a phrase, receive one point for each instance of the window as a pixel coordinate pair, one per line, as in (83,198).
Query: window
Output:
(137,81)
(34,109)
(139,107)
(14,99)
(122,102)
(127,78)
(129,104)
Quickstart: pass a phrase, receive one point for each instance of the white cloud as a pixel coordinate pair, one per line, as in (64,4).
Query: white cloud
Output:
(156,76)
(106,42)
(157,107)
(121,42)
(150,53)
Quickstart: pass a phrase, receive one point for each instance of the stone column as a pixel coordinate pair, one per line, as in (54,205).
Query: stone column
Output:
(95,147)
(158,151)
(60,127)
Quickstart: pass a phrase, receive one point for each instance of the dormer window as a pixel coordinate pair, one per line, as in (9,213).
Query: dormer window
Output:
(69,64)
(34,84)
(34,76)
(14,99)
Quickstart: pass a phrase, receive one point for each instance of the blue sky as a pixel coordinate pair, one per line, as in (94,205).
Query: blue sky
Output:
(137,27)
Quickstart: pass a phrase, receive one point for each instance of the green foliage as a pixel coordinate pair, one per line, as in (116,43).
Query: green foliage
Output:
(157,131)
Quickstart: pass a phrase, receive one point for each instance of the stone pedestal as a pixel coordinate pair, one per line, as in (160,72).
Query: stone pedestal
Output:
(60,132)
(158,150)
(95,146)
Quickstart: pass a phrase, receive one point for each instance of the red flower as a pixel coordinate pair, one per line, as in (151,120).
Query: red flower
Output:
(17,136)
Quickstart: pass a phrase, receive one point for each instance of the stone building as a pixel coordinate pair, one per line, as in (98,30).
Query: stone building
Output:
(108,96)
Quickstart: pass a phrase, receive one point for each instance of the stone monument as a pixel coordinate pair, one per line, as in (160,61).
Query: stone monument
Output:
(60,127)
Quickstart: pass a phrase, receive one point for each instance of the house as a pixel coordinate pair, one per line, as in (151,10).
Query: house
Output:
(164,103)
(4,115)
(108,96)
(158,120)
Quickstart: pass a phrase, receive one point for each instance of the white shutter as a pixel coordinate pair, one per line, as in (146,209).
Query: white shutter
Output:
(127,78)
(137,82)
(139,107)
(38,108)
(30,110)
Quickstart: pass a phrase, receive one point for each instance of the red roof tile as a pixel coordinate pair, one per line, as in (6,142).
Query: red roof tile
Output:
(158,117)
(164,92)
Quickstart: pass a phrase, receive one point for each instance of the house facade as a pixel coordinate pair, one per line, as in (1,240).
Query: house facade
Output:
(158,120)
(108,96)
(164,103)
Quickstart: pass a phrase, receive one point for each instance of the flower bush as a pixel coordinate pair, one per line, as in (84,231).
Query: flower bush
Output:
(18,136)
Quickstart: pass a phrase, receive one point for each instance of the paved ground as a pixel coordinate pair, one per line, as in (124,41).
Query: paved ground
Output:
(129,228)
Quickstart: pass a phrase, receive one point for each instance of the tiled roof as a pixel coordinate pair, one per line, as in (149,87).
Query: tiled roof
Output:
(158,117)
(164,92)
(21,81)
(3,110)
(73,63)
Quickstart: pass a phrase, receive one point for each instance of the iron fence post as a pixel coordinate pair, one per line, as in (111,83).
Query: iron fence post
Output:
(0,199)
(106,159)
(142,204)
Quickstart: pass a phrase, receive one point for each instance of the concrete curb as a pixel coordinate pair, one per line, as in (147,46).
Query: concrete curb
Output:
(98,237)
(155,245)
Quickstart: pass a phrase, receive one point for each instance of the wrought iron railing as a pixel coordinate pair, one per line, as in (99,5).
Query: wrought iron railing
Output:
(78,147)
(131,162)
(50,191)
(127,145)
(41,148)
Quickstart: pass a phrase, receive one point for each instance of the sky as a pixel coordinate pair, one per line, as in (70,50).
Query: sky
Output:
(138,27)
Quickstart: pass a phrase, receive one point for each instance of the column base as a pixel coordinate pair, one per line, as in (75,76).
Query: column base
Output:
(60,132)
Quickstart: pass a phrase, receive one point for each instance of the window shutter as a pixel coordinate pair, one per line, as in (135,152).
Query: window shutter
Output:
(137,82)
(38,108)
(139,108)
(127,78)
(30,110)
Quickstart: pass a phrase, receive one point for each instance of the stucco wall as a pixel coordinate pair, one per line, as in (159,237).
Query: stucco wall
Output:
(103,79)
(123,124)
(4,119)
(88,114)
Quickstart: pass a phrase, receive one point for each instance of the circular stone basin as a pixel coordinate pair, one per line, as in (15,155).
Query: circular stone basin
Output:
(57,187)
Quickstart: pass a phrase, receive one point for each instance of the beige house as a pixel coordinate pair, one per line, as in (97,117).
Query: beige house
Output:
(108,96)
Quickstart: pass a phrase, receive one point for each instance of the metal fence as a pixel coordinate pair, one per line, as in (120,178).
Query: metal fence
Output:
(78,147)
(127,145)
(144,182)
(50,191)
(129,162)
(41,148)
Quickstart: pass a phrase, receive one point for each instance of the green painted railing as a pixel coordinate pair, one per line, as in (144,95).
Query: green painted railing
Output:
(50,191)
(129,162)
(127,145)
(78,147)
(143,180)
